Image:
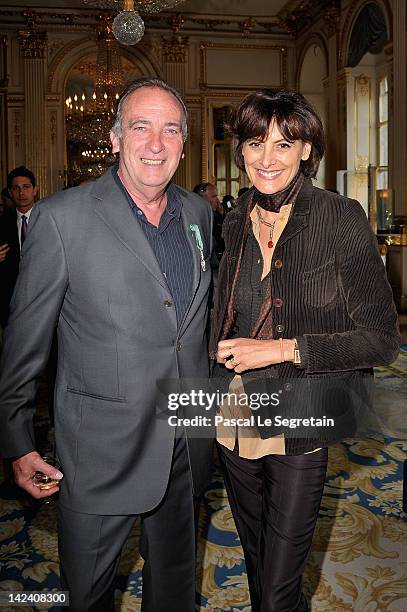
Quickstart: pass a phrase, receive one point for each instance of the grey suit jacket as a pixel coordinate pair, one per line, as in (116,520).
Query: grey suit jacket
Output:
(8,267)
(88,268)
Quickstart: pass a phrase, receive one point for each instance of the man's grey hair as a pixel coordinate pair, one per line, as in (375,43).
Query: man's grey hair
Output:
(149,82)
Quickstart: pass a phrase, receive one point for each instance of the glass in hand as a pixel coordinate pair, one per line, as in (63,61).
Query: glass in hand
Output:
(41,480)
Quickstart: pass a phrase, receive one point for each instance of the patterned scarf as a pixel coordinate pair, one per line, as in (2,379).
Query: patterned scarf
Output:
(262,330)
(274,201)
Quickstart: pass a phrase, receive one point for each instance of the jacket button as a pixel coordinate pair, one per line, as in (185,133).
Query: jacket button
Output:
(278,264)
(178,346)
(167,303)
(278,302)
(280,328)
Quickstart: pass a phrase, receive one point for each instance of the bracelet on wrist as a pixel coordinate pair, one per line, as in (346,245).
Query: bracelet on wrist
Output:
(297,355)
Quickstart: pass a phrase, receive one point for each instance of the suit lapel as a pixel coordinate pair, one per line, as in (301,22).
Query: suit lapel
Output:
(235,235)
(9,220)
(188,219)
(111,206)
(14,239)
(300,214)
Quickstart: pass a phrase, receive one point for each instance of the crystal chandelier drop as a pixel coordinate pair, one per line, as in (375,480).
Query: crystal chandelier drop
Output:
(128,26)
(88,121)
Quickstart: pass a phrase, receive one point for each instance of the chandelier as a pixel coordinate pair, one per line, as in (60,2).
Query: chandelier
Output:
(90,117)
(128,26)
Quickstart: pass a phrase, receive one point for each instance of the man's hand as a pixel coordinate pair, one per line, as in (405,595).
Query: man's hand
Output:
(241,354)
(24,469)
(4,249)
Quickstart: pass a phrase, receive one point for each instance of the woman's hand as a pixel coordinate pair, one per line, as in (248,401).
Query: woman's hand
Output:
(241,354)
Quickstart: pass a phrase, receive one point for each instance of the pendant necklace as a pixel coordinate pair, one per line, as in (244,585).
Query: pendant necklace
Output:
(270,242)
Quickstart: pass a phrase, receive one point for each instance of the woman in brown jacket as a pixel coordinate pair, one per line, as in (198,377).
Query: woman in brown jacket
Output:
(302,296)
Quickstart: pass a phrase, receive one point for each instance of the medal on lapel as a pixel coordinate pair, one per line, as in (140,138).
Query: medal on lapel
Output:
(198,239)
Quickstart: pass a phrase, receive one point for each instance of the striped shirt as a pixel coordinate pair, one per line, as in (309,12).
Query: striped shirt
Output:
(170,245)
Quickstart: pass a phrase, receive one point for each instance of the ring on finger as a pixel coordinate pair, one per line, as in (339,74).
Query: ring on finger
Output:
(233,362)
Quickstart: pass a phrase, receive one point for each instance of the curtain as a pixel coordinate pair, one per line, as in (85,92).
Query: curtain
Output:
(369,34)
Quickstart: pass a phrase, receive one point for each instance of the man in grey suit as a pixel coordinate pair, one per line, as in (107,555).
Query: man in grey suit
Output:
(125,277)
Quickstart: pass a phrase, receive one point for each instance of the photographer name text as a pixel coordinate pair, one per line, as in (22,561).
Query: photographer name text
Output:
(255,420)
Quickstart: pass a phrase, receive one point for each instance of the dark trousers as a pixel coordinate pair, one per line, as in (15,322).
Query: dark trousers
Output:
(275,502)
(90,546)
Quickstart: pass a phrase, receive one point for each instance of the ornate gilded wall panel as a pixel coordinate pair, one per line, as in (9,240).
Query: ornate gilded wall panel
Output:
(3,138)
(15,132)
(362,122)
(212,100)
(228,65)
(3,61)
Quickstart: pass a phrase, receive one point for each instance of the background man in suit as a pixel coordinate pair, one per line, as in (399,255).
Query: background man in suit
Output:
(126,279)
(22,188)
(209,192)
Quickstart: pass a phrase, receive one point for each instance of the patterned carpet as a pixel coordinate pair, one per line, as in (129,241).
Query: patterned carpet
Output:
(359,555)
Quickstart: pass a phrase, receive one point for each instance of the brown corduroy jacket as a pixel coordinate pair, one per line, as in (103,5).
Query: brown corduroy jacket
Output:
(330,292)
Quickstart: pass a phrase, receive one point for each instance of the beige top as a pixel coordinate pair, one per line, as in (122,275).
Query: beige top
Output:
(251,445)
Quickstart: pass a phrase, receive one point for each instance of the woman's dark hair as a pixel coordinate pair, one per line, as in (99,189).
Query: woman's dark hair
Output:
(295,117)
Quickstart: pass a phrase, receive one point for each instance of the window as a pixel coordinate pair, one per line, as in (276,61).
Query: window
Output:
(225,170)
(382,134)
